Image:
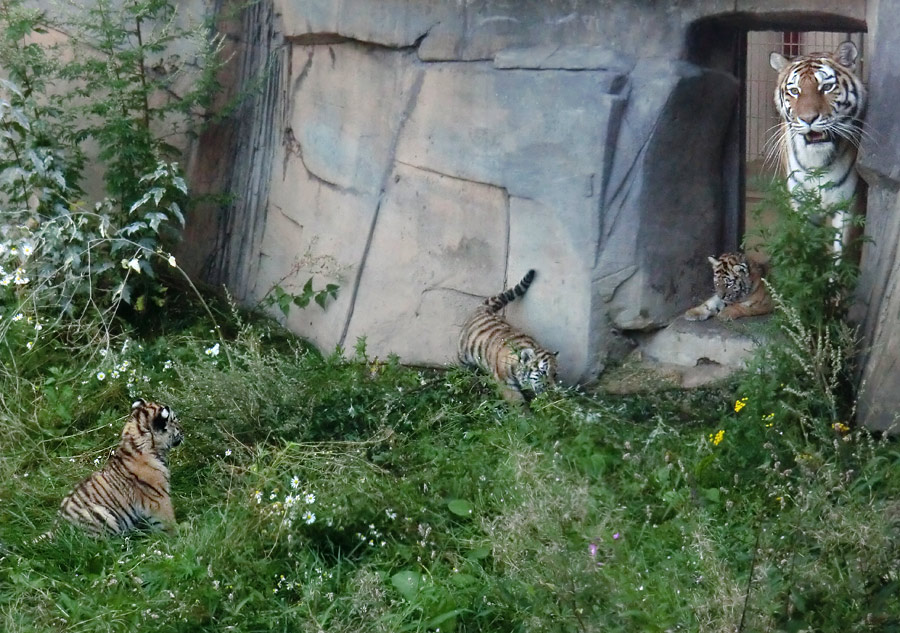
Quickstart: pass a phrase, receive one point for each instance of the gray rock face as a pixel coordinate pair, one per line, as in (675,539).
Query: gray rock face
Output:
(879,285)
(424,154)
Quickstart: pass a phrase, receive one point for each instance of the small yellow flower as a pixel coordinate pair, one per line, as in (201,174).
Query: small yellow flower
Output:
(717,438)
(740,404)
(841,428)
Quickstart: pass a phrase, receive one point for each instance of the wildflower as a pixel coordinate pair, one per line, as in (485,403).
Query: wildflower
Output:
(841,428)
(592,550)
(167,365)
(228,453)
(171,261)
(768,417)
(309,518)
(717,438)
(309,498)
(20,278)
(616,536)
(38,327)
(7,279)
(101,376)
(258,496)
(295,483)
(739,404)
(18,317)
(132,263)
(213,351)
(27,249)
(289,501)
(29,344)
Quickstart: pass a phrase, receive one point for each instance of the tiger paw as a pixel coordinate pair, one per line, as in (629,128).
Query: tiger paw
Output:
(700,313)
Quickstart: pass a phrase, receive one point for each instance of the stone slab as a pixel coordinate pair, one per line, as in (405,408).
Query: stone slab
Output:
(695,343)
(437,250)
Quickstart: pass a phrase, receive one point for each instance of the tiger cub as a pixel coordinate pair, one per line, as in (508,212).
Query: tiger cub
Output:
(132,490)
(740,291)
(516,361)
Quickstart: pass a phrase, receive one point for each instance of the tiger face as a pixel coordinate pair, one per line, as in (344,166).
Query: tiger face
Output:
(731,276)
(155,426)
(820,99)
(535,371)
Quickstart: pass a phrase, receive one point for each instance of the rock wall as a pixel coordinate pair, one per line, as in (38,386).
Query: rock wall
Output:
(424,154)
(879,285)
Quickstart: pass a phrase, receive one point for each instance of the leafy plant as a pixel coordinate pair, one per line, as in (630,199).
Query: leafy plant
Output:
(283,299)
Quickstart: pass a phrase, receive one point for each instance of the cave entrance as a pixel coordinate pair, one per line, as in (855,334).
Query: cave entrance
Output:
(740,44)
(760,119)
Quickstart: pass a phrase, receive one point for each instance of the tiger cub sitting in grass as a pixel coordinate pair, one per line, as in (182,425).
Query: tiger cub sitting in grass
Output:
(740,291)
(516,361)
(132,490)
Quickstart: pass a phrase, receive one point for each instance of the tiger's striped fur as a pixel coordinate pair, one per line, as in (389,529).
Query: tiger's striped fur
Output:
(517,362)
(740,291)
(821,102)
(132,490)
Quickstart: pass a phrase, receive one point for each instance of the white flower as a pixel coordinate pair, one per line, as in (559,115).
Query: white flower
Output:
(295,482)
(29,344)
(132,264)
(289,501)
(101,376)
(20,278)
(309,518)
(7,279)
(258,496)
(213,351)
(167,365)
(18,317)
(38,327)
(171,261)
(228,453)
(309,498)
(27,249)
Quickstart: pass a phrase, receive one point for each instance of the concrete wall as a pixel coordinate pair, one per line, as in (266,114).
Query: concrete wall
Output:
(424,154)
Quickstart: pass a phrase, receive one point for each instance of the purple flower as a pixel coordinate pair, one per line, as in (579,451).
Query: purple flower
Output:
(592,550)
(616,536)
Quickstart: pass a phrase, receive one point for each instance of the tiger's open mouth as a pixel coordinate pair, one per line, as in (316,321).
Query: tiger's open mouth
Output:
(817,137)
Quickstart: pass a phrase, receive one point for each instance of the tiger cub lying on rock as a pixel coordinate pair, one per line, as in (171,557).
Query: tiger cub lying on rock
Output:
(740,291)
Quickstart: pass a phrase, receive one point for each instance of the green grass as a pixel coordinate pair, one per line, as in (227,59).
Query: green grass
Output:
(436,505)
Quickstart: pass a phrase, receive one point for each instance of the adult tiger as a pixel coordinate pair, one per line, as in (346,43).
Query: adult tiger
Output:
(133,488)
(518,363)
(821,102)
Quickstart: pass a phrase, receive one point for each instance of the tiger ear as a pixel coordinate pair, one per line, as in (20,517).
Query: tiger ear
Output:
(713,261)
(137,404)
(160,421)
(778,61)
(847,54)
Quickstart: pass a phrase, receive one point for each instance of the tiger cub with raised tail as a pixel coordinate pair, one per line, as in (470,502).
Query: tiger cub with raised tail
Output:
(740,291)
(132,489)
(517,362)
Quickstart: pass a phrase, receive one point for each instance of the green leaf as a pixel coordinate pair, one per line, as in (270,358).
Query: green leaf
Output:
(478,554)
(408,583)
(460,507)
